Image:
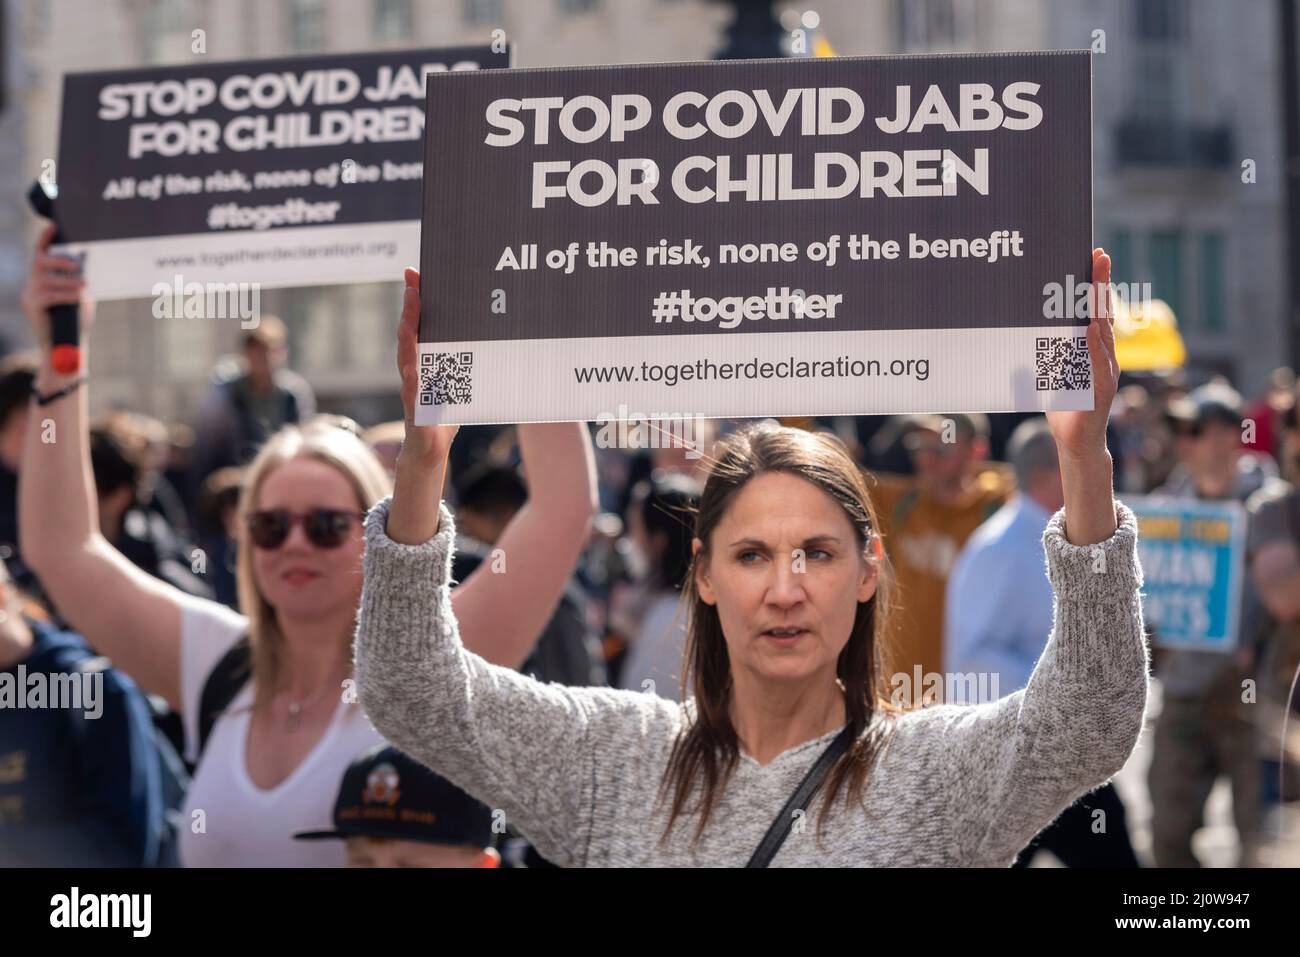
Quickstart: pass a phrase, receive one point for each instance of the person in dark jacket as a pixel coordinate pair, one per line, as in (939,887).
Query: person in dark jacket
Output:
(143,535)
(251,399)
(567,651)
(84,781)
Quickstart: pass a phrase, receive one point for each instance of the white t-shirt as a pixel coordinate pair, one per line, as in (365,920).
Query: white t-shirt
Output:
(246,826)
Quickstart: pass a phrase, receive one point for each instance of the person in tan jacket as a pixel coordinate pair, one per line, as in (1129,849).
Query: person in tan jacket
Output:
(926,518)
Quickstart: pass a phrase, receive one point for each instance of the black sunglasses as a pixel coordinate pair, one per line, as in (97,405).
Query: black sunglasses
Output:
(324,527)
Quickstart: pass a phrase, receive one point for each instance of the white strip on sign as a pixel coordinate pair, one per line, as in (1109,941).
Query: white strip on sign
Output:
(816,373)
(273,258)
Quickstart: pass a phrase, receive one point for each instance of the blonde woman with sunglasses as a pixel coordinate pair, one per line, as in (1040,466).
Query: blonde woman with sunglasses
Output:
(272,757)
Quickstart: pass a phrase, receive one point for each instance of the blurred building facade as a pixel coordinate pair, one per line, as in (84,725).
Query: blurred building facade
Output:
(1185,92)
(1188,112)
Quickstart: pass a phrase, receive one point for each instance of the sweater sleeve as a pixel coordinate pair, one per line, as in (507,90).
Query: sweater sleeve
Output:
(539,752)
(1013,765)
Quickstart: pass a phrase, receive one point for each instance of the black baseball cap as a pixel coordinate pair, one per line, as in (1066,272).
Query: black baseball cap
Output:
(387,794)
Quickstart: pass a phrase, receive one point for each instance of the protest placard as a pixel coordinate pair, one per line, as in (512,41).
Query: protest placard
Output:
(285,172)
(1193,558)
(828,236)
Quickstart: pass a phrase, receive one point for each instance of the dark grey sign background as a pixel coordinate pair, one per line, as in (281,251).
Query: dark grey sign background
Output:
(93,152)
(477,201)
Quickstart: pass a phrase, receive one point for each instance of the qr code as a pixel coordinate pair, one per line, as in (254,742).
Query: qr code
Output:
(1061,362)
(446,378)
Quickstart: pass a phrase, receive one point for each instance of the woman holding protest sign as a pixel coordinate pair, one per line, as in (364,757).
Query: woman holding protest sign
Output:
(267,696)
(788,603)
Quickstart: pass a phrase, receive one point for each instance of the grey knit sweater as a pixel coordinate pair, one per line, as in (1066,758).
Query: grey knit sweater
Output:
(578,770)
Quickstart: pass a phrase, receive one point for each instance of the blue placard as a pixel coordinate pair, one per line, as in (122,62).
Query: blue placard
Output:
(1193,558)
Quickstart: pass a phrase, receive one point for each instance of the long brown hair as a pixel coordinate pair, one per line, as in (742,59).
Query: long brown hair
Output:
(706,752)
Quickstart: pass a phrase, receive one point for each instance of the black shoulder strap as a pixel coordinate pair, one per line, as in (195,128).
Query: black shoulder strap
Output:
(799,801)
(223,682)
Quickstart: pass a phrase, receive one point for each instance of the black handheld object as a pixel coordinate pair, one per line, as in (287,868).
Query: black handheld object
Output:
(65,323)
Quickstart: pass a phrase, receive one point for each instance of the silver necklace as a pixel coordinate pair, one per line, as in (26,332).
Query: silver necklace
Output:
(296,708)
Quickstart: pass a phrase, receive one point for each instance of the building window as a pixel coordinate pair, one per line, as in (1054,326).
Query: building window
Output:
(37,25)
(319,352)
(1165,257)
(927,25)
(480,13)
(166,26)
(369,346)
(393,20)
(188,348)
(307,25)
(1160,59)
(1158,74)
(1209,275)
(1120,250)
(1161,20)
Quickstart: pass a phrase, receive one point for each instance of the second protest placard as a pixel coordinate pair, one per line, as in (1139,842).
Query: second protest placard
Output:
(837,236)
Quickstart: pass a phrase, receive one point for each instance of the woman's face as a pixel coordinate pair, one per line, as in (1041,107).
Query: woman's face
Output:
(301,579)
(786,574)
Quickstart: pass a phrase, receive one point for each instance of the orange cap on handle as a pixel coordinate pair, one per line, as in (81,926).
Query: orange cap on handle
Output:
(65,359)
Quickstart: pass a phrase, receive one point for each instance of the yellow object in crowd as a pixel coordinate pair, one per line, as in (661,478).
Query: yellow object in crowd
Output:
(1147,337)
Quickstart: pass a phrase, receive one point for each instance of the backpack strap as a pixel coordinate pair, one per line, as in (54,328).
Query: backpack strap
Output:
(799,801)
(224,682)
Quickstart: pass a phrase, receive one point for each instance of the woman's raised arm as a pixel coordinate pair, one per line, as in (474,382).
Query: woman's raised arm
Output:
(1014,765)
(557,761)
(501,613)
(1086,471)
(123,612)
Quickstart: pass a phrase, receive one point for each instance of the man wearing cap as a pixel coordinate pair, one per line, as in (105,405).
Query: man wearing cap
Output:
(1204,729)
(928,517)
(395,812)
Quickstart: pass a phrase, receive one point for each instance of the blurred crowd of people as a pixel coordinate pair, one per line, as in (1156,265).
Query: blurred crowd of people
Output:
(963,501)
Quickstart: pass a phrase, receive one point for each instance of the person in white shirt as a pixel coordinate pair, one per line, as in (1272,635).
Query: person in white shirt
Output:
(998,605)
(274,757)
